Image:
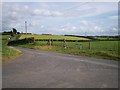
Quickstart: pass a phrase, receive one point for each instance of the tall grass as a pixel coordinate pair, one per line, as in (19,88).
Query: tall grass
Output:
(7,52)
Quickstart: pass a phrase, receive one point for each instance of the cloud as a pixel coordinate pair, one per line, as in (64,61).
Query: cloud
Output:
(113,30)
(115,17)
(90,28)
(26,7)
(56,18)
(42,26)
(82,28)
(13,15)
(44,12)
(91,9)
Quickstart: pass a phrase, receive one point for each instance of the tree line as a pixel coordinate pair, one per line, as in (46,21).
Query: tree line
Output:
(13,32)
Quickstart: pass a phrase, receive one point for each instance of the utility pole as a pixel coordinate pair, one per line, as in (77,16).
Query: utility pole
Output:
(26,28)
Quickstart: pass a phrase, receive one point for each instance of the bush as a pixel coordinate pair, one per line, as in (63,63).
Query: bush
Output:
(22,41)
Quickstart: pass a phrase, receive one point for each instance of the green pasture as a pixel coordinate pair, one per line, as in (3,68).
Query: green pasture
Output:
(99,49)
(106,38)
(105,45)
(36,36)
(4,37)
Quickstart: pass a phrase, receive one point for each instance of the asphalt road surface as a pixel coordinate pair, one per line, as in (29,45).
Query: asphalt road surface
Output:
(42,69)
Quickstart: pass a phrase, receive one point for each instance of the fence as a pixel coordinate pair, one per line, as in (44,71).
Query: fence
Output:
(79,44)
(91,45)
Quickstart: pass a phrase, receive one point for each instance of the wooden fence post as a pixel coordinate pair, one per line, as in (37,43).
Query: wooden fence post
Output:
(52,42)
(65,45)
(49,42)
(89,45)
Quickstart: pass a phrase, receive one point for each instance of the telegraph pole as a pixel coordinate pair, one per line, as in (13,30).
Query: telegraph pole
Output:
(26,28)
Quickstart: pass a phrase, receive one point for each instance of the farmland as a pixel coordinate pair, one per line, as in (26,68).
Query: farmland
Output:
(98,49)
(36,36)
(84,47)
(5,37)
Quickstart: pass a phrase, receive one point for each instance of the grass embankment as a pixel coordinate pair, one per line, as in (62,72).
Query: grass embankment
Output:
(8,53)
(36,36)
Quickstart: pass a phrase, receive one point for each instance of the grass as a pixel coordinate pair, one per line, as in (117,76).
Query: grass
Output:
(99,49)
(4,37)
(8,53)
(105,38)
(36,36)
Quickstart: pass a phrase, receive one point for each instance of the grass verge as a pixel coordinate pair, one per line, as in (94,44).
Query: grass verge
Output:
(9,53)
(77,51)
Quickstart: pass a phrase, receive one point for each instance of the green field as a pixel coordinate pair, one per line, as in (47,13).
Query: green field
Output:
(36,36)
(4,37)
(106,38)
(99,49)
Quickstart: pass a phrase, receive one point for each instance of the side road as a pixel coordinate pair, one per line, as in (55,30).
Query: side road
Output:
(43,69)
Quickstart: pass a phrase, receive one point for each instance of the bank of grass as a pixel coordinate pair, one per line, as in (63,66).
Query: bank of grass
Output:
(99,49)
(8,53)
(4,37)
(76,51)
(56,37)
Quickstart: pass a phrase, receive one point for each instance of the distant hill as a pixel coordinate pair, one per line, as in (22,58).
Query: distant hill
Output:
(55,37)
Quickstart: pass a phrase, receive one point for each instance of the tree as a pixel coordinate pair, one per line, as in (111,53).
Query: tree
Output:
(18,32)
(12,34)
(14,31)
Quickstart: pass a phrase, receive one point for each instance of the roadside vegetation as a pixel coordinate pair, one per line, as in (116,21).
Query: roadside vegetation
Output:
(8,53)
(99,49)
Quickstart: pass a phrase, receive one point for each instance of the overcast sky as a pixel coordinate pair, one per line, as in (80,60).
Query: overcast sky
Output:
(78,18)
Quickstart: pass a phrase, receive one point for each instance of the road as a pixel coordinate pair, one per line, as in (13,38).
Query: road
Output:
(43,69)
